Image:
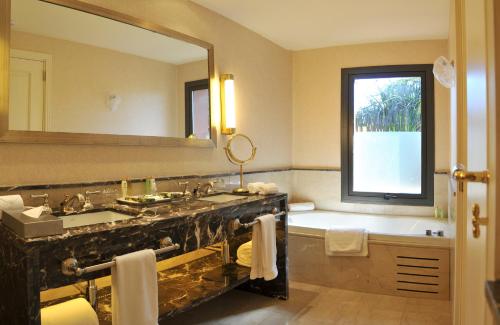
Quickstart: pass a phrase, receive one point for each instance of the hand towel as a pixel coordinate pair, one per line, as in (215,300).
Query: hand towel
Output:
(346,242)
(244,254)
(134,289)
(73,312)
(304,206)
(264,249)
(12,203)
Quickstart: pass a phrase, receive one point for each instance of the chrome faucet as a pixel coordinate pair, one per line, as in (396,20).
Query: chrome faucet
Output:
(204,189)
(46,206)
(67,206)
(185,191)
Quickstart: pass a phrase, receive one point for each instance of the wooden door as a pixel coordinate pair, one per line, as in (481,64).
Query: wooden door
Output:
(474,142)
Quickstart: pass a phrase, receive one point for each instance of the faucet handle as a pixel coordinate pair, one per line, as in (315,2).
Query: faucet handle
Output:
(88,193)
(88,204)
(196,190)
(185,190)
(46,207)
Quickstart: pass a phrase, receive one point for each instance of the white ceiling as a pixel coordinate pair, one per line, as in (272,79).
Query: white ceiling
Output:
(306,24)
(45,19)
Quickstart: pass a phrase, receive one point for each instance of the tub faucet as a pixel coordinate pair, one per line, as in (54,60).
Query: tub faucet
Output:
(67,206)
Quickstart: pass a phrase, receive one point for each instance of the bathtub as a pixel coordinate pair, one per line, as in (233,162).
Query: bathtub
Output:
(402,260)
(396,229)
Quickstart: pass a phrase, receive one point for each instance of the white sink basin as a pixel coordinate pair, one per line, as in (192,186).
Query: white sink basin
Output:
(92,218)
(222,198)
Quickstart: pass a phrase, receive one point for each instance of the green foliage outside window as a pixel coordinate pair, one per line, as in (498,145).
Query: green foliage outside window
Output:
(396,108)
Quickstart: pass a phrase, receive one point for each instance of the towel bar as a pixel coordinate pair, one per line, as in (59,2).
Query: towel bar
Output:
(237,224)
(70,265)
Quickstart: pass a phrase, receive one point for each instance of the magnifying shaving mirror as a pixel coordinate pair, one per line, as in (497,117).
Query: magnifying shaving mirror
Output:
(240,150)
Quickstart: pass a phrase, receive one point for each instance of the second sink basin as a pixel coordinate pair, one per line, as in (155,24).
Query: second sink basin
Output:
(92,218)
(222,198)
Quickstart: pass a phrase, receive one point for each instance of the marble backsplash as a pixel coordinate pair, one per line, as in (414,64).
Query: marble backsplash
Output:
(111,190)
(320,186)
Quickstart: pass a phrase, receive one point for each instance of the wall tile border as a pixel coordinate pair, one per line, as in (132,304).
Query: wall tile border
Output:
(9,188)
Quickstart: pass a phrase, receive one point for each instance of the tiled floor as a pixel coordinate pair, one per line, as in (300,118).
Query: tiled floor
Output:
(311,304)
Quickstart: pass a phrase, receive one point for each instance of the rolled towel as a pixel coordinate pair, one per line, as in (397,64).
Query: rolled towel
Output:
(268,188)
(12,203)
(304,206)
(73,312)
(244,254)
(254,188)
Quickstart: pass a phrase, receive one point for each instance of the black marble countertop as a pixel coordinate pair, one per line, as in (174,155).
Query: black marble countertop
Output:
(493,297)
(174,213)
(180,288)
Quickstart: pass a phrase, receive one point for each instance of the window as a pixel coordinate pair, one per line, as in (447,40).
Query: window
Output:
(388,135)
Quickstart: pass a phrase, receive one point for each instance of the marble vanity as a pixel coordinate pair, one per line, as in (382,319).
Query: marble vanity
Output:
(30,266)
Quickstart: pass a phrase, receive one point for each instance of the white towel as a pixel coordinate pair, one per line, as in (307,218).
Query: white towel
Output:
(12,203)
(254,188)
(346,242)
(268,188)
(304,206)
(262,188)
(134,291)
(264,249)
(34,212)
(244,254)
(73,312)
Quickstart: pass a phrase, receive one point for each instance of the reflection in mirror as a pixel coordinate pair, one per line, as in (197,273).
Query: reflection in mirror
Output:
(197,109)
(75,72)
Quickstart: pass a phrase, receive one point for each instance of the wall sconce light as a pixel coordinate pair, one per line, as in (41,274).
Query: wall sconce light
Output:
(228,123)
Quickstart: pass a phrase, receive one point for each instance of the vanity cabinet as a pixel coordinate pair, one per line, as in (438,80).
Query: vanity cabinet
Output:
(33,265)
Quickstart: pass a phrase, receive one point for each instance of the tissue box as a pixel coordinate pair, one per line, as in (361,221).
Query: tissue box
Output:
(27,227)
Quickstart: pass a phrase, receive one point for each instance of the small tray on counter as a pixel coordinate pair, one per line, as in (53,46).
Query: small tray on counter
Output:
(143,201)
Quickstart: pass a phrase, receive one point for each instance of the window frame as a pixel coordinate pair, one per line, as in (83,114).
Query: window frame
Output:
(348,76)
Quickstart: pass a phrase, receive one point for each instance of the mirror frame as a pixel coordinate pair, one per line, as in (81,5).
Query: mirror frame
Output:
(10,136)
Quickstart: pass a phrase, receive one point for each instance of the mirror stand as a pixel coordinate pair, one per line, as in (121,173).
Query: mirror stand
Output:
(240,161)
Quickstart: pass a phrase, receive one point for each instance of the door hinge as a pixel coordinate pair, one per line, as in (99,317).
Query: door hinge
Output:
(44,75)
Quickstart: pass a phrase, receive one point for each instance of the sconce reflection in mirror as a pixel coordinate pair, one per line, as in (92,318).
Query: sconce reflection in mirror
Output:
(228,116)
(113,102)
(240,150)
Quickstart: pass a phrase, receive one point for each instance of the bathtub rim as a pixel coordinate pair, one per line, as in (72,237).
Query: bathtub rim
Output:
(375,238)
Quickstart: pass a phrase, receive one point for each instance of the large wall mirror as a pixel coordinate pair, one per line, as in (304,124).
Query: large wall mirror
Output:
(83,74)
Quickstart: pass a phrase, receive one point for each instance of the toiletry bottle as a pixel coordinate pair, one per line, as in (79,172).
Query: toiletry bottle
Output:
(124,188)
(147,186)
(153,186)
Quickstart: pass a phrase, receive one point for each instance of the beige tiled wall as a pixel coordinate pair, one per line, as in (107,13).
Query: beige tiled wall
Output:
(323,188)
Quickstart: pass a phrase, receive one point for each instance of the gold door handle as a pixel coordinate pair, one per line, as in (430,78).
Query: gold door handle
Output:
(477,221)
(464,176)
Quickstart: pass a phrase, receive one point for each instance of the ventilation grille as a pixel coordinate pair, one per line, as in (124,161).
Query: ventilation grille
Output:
(419,275)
